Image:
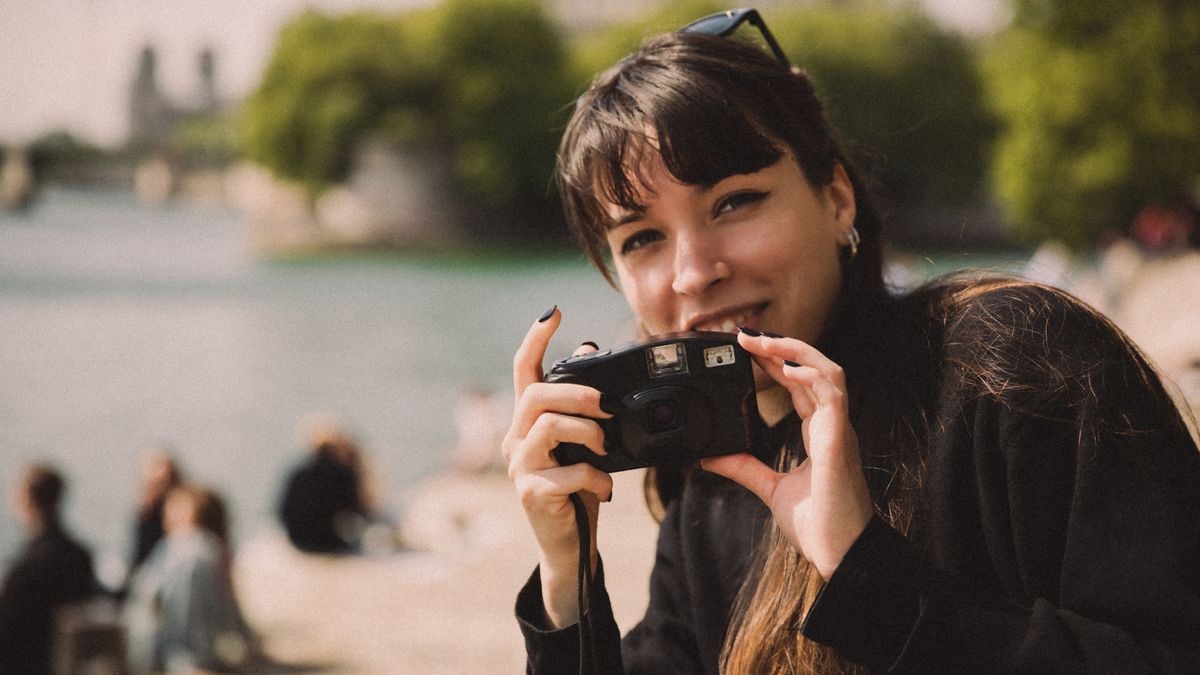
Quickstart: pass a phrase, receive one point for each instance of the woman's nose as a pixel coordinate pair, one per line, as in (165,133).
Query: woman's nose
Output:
(699,264)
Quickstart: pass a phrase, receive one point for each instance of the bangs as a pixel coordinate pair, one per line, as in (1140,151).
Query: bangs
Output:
(710,107)
(699,136)
(698,142)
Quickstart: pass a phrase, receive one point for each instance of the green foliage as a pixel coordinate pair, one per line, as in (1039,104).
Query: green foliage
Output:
(207,140)
(597,51)
(1101,107)
(484,82)
(904,94)
(489,83)
(331,81)
(504,81)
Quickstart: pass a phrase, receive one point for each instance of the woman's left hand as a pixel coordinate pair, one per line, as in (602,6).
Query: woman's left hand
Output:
(823,505)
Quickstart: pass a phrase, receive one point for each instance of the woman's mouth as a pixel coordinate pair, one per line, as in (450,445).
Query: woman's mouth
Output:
(727,321)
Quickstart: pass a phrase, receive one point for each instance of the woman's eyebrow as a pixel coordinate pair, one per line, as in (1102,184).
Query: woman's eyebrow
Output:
(633,216)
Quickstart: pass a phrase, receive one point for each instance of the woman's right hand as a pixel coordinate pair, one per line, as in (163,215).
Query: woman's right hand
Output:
(545,415)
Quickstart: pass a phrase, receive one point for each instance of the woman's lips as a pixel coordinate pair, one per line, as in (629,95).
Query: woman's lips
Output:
(728,321)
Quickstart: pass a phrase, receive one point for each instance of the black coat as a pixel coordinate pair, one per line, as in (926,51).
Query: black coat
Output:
(52,570)
(317,499)
(1058,527)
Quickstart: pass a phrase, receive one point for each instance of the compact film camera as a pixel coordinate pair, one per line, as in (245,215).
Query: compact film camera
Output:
(684,396)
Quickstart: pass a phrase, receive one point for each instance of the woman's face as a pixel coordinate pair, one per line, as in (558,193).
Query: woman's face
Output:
(179,512)
(758,249)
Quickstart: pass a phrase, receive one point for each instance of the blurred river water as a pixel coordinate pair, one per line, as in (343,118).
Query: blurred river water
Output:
(123,325)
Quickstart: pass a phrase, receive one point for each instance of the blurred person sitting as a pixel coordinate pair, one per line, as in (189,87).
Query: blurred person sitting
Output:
(480,420)
(159,473)
(325,507)
(51,572)
(182,613)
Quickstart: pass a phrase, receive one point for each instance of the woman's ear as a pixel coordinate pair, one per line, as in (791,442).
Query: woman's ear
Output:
(840,193)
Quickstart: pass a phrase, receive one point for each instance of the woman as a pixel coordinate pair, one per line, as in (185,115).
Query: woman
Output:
(977,476)
(182,613)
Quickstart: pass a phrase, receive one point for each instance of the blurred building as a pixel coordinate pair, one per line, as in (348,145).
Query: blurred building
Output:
(152,115)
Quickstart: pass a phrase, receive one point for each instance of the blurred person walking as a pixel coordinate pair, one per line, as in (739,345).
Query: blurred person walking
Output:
(52,571)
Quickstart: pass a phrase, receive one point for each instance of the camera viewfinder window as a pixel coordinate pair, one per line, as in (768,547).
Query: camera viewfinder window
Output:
(718,356)
(667,360)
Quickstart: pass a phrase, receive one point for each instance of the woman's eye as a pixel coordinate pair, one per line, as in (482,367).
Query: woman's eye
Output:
(639,239)
(738,200)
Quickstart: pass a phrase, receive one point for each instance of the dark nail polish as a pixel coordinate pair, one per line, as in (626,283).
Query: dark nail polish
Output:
(589,343)
(547,314)
(791,363)
(609,497)
(610,405)
(771,335)
(749,331)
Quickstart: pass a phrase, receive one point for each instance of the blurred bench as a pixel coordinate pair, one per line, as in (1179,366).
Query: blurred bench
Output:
(89,639)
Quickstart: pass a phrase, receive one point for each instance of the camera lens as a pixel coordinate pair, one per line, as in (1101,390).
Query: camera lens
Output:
(663,416)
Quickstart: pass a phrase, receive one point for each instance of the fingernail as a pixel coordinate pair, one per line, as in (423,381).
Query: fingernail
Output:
(610,405)
(547,314)
(749,331)
(771,335)
(791,363)
(609,499)
(589,343)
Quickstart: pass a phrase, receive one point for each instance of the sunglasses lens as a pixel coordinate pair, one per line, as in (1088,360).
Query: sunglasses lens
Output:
(717,24)
(722,24)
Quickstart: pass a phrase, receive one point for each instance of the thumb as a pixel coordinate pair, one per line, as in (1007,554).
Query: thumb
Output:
(586,347)
(745,470)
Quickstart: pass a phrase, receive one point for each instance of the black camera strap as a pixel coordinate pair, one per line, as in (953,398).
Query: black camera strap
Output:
(587,651)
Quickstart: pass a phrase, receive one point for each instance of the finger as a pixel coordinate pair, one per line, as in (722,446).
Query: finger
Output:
(824,391)
(801,399)
(586,348)
(796,351)
(746,470)
(550,430)
(539,489)
(803,379)
(527,362)
(831,420)
(828,393)
(560,397)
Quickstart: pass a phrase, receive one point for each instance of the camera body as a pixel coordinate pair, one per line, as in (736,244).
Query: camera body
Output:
(684,395)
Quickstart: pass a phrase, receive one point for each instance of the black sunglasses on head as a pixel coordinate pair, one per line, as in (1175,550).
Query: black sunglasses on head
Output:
(723,24)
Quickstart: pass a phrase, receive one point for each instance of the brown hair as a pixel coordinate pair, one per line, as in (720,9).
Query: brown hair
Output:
(715,107)
(718,107)
(208,509)
(45,486)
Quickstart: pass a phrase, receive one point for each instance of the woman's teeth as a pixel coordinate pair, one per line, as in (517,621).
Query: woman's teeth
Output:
(728,325)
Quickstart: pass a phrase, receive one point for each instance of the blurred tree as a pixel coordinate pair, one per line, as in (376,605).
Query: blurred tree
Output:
(1101,108)
(330,82)
(596,51)
(207,140)
(483,81)
(904,94)
(504,85)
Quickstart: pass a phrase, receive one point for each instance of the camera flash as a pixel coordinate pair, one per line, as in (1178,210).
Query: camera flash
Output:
(718,356)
